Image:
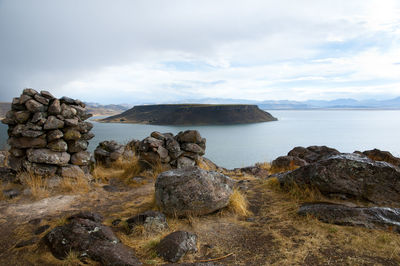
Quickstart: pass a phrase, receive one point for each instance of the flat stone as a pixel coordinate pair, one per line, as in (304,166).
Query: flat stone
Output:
(54,134)
(71,122)
(55,107)
(22,117)
(24,142)
(24,98)
(72,134)
(41,99)
(53,123)
(48,157)
(38,117)
(29,92)
(34,106)
(32,133)
(47,95)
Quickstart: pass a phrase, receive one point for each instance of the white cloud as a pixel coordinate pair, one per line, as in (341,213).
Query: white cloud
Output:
(136,51)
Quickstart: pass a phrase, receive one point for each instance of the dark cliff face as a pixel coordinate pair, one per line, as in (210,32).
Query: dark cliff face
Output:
(192,114)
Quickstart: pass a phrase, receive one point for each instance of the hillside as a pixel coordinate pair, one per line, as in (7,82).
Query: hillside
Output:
(192,114)
(109,109)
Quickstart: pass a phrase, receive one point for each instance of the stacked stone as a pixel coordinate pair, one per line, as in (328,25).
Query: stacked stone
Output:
(48,136)
(180,151)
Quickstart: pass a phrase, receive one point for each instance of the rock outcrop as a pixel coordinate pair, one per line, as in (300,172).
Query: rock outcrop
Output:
(180,151)
(192,114)
(373,217)
(47,134)
(312,154)
(175,245)
(192,191)
(86,235)
(352,176)
(385,156)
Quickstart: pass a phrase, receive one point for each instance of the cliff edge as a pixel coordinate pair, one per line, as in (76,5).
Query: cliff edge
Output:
(192,114)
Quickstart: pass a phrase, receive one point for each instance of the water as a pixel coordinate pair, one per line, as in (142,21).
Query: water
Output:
(243,145)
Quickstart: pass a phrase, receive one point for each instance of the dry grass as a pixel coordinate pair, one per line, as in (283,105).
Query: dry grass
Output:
(264,165)
(37,184)
(295,191)
(120,169)
(79,184)
(238,204)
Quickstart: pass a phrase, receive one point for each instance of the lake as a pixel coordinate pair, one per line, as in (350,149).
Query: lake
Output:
(243,145)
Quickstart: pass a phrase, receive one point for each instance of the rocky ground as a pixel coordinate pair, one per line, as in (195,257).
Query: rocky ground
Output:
(273,232)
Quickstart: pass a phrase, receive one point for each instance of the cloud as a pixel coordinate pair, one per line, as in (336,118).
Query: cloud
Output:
(151,51)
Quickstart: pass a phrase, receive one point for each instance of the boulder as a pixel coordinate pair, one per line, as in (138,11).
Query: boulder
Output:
(378,155)
(81,158)
(175,245)
(373,217)
(40,169)
(71,122)
(89,238)
(173,147)
(313,153)
(47,156)
(192,191)
(350,175)
(287,163)
(152,221)
(22,117)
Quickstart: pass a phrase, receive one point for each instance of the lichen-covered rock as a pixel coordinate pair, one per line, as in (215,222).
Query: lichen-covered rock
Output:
(86,235)
(189,136)
(185,162)
(313,153)
(24,143)
(53,122)
(55,107)
(378,155)
(350,175)
(152,221)
(287,163)
(175,245)
(72,134)
(58,145)
(373,217)
(192,191)
(34,106)
(47,156)
(108,152)
(71,171)
(77,145)
(54,135)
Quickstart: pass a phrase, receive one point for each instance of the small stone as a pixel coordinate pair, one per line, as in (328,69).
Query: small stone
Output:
(17,152)
(29,92)
(72,134)
(41,229)
(189,136)
(53,123)
(81,158)
(87,136)
(24,143)
(47,95)
(21,116)
(192,147)
(185,162)
(55,107)
(34,106)
(28,242)
(41,99)
(38,116)
(11,193)
(67,111)
(71,122)
(85,127)
(71,171)
(24,98)
(32,133)
(40,169)
(54,134)
(58,145)
(175,245)
(67,100)
(77,145)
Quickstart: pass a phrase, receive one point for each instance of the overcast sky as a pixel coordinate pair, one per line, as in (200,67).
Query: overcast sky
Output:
(158,51)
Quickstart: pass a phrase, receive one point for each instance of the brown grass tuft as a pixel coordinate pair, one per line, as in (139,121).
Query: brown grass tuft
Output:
(37,184)
(238,204)
(264,165)
(78,184)
(295,191)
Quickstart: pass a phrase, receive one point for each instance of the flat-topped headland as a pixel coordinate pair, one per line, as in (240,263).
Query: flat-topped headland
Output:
(192,114)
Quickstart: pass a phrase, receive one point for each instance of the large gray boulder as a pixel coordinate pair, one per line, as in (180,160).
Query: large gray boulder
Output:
(374,217)
(350,175)
(192,191)
(312,154)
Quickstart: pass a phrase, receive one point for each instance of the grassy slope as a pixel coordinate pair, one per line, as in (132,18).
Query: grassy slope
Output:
(272,234)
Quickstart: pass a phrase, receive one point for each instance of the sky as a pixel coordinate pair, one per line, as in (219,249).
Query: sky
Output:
(164,51)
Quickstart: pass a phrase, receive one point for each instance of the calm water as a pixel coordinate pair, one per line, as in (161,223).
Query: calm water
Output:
(243,145)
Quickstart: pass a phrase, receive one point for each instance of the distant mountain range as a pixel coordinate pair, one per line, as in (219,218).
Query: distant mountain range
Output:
(309,104)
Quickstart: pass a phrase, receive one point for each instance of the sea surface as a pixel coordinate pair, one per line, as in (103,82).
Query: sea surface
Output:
(233,146)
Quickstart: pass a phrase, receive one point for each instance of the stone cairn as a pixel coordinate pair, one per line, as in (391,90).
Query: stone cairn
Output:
(180,151)
(48,136)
